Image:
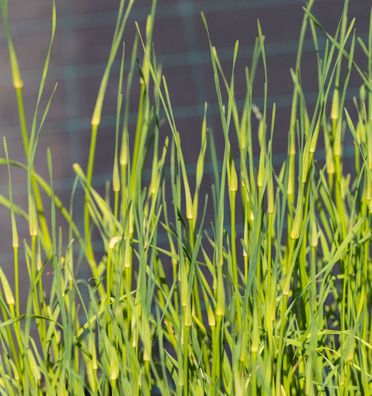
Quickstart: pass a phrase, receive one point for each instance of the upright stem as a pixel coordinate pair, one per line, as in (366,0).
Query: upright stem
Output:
(87,230)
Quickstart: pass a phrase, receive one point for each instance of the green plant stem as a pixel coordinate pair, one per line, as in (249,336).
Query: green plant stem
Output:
(89,176)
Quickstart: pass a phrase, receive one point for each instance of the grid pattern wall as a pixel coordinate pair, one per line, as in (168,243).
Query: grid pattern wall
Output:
(84,31)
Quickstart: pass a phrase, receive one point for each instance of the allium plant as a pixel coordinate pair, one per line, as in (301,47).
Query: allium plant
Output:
(257,284)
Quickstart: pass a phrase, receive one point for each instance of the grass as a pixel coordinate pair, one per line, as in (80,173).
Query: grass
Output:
(262,285)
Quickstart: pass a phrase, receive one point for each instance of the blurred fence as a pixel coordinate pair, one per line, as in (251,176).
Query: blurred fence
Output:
(84,30)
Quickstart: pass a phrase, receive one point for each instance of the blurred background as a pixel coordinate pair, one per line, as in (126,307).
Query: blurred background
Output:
(83,38)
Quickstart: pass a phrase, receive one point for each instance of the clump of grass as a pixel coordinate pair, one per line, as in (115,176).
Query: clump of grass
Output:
(273,297)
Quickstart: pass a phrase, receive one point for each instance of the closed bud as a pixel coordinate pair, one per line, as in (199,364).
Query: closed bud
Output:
(123,158)
(127,255)
(251,215)
(77,169)
(112,360)
(330,165)
(362,93)
(233,178)
(33,366)
(39,261)
(114,365)
(15,239)
(297,224)
(115,177)
(211,317)
(261,170)
(314,231)
(16,74)
(189,203)
(9,298)
(314,138)
(96,117)
(335,105)
(32,217)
